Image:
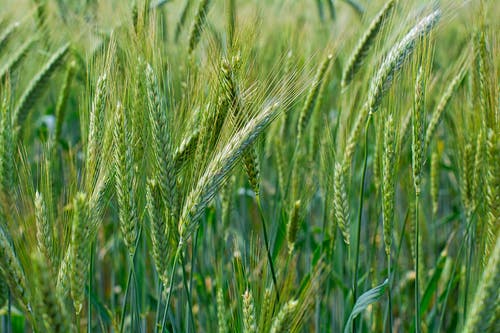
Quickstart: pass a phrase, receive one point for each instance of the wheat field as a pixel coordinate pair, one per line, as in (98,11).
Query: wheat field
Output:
(249,166)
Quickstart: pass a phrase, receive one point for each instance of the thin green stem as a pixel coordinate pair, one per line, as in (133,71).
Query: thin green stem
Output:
(389,274)
(89,303)
(171,286)
(417,275)
(131,272)
(188,295)
(158,305)
(266,240)
(360,216)
(124,305)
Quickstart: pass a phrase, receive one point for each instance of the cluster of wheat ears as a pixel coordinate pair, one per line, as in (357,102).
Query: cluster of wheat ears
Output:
(249,166)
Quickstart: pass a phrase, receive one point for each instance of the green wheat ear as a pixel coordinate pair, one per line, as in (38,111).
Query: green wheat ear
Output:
(38,84)
(388,188)
(283,321)
(341,202)
(485,305)
(361,51)
(124,179)
(198,25)
(249,320)
(79,259)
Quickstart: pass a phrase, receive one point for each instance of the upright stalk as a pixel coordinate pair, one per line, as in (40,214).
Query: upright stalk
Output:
(266,240)
(360,215)
(89,303)
(171,286)
(417,275)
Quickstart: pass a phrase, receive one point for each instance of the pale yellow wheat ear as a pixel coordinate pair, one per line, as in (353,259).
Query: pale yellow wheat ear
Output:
(249,319)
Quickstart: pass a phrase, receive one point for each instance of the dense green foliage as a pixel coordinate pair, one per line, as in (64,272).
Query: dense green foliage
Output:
(249,166)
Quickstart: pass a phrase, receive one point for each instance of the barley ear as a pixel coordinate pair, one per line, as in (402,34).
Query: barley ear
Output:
(283,321)
(249,320)
(37,85)
(54,311)
(395,59)
(198,25)
(63,100)
(341,203)
(361,51)
(388,189)
(418,118)
(221,312)
(44,231)
(313,96)
(292,227)
(7,145)
(485,304)
(492,191)
(165,173)
(79,261)
(159,231)
(124,174)
(12,270)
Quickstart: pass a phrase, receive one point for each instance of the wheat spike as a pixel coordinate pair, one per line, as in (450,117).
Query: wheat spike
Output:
(443,103)
(361,51)
(220,166)
(221,312)
(38,84)
(341,203)
(292,227)
(199,22)
(485,304)
(12,270)
(15,59)
(63,100)
(43,229)
(249,321)
(283,321)
(79,261)
(395,59)
(124,174)
(418,117)
(388,189)
(52,306)
(159,231)
(162,146)
(313,96)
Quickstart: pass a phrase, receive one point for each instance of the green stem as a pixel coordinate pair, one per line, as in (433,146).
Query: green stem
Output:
(89,303)
(188,295)
(171,286)
(389,291)
(124,306)
(158,304)
(360,215)
(129,278)
(266,240)
(468,261)
(417,276)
